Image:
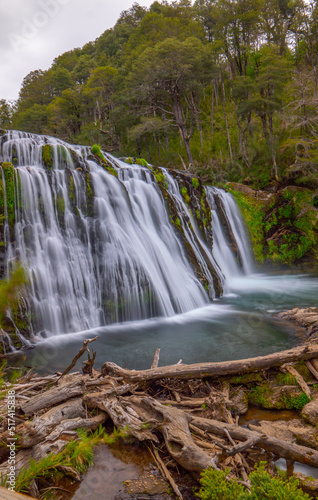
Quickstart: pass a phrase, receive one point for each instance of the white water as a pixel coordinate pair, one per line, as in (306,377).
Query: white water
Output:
(101,249)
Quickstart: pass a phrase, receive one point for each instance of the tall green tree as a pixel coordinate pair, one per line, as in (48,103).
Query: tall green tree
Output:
(168,78)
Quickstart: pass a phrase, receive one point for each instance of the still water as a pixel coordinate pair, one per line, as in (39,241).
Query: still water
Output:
(241,324)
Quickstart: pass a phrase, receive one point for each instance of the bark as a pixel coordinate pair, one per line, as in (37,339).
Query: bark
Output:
(202,370)
(174,426)
(182,126)
(52,397)
(223,99)
(5,494)
(285,449)
(212,113)
(197,117)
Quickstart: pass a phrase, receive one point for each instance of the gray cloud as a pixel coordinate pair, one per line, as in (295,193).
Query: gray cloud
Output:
(34,32)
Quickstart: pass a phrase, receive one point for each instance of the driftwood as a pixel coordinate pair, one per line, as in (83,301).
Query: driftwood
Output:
(285,449)
(148,412)
(12,495)
(299,379)
(83,349)
(52,397)
(165,472)
(202,370)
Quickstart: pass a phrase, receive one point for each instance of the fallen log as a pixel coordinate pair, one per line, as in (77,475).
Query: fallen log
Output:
(284,449)
(53,396)
(174,426)
(202,370)
(6,494)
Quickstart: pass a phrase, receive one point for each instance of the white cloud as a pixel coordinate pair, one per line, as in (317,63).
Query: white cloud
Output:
(34,32)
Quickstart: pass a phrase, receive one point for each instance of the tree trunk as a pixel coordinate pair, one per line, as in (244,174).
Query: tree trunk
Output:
(223,99)
(275,169)
(202,370)
(181,123)
(212,114)
(197,117)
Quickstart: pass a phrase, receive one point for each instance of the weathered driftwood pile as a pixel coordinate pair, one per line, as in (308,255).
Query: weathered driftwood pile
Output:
(192,409)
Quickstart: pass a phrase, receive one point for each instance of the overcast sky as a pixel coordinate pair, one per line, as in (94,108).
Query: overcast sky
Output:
(34,32)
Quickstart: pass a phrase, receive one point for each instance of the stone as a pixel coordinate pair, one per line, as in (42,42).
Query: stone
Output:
(310,412)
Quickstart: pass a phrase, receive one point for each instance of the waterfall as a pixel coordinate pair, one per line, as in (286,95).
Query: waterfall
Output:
(231,243)
(107,242)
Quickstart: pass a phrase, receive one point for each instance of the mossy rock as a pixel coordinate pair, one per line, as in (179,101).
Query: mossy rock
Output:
(9,176)
(272,396)
(47,155)
(102,161)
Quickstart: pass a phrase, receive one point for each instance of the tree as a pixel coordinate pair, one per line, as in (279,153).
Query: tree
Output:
(265,93)
(33,119)
(83,68)
(5,113)
(168,77)
(67,113)
(99,90)
(60,79)
(35,89)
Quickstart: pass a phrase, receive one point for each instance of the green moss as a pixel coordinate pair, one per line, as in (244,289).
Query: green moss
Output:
(97,151)
(71,188)
(195,183)
(259,395)
(129,160)
(293,218)
(47,155)
(286,379)
(184,193)
(60,205)
(253,214)
(296,402)
(246,379)
(11,290)
(9,176)
(142,162)
(160,177)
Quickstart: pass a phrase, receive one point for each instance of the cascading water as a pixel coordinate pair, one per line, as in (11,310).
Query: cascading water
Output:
(114,244)
(231,243)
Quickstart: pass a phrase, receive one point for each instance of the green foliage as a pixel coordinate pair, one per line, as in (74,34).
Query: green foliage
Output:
(160,177)
(184,193)
(201,83)
(259,395)
(8,194)
(297,402)
(286,379)
(77,454)
(142,162)
(97,151)
(10,291)
(47,155)
(195,182)
(129,160)
(253,213)
(215,486)
(292,213)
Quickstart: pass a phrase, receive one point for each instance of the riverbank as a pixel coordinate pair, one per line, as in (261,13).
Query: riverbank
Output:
(185,417)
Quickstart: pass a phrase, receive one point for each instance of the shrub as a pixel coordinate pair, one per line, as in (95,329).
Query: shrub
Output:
(215,486)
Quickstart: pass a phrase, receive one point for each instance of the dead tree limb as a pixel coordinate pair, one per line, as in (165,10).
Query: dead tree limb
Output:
(83,349)
(156,359)
(202,370)
(280,447)
(165,472)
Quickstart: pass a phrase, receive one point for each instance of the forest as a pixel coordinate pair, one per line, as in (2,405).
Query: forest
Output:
(224,89)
